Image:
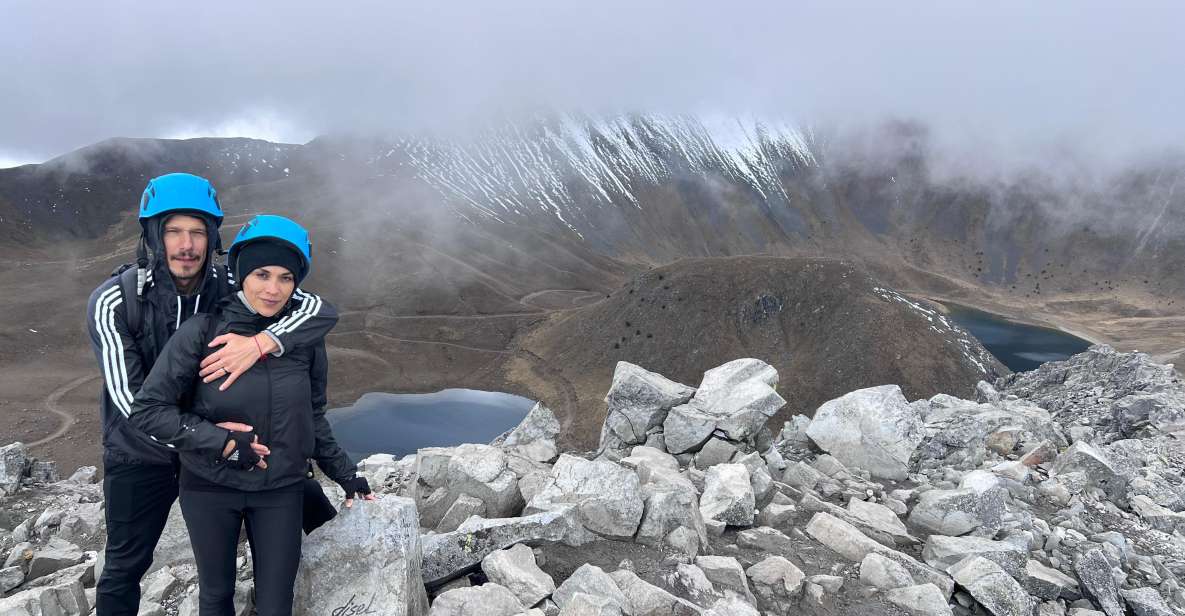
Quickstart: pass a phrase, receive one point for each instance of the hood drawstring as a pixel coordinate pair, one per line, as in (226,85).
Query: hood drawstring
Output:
(141,266)
(178,326)
(197,302)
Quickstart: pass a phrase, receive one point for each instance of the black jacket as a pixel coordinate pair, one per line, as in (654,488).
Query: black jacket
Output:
(125,359)
(282,397)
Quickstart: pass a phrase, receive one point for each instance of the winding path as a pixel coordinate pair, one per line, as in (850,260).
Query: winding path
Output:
(51,405)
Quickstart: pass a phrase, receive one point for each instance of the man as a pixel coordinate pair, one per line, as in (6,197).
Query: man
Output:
(130,318)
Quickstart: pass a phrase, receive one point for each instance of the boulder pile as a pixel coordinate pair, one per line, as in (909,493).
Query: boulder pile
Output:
(1057,492)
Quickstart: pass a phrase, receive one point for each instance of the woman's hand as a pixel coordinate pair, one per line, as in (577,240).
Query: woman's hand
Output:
(239,451)
(234,426)
(235,358)
(360,487)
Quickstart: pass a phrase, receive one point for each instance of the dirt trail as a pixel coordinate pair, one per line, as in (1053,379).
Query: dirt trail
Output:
(51,405)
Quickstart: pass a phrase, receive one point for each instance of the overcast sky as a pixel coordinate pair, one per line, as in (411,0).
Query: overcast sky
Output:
(1108,75)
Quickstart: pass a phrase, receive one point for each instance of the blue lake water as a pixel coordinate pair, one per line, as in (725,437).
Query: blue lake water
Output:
(1019,346)
(402,423)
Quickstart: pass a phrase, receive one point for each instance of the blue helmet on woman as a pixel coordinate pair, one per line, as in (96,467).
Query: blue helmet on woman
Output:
(276,229)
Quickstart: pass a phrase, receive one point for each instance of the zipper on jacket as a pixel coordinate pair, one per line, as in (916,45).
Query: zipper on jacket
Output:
(270,407)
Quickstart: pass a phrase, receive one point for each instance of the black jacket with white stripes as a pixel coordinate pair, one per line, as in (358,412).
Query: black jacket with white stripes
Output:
(125,360)
(282,397)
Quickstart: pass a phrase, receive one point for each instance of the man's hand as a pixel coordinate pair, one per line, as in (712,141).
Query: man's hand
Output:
(234,426)
(237,357)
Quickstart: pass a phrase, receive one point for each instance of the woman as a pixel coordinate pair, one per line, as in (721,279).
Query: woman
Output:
(257,477)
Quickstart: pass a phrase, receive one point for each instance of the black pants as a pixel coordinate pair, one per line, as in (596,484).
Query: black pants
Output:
(273,520)
(136,501)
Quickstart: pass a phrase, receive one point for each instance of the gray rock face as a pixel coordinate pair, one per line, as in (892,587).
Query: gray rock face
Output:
(768,540)
(731,606)
(638,401)
(483,472)
(14,461)
(921,600)
(485,600)
(1146,602)
(57,554)
(741,395)
(944,552)
(958,512)
(534,437)
(587,605)
(875,429)
(515,568)
(608,497)
(174,547)
(449,555)
(65,599)
(992,587)
(1097,583)
(1116,393)
(880,572)
(671,503)
(777,584)
(847,541)
(646,599)
(1085,458)
(462,509)
(963,434)
(728,495)
(367,558)
(590,580)
(715,451)
(687,428)
(725,573)
(11,577)
(1048,583)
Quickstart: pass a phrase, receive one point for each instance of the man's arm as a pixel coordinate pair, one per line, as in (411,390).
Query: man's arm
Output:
(305,326)
(156,409)
(117,353)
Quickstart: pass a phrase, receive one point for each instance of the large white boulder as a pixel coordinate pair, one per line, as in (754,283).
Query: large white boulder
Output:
(874,429)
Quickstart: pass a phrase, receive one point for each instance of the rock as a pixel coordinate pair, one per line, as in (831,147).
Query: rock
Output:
(14,460)
(728,495)
(874,429)
(687,428)
(741,394)
(847,541)
(812,504)
(775,515)
(715,451)
(1084,457)
(462,509)
(671,503)
(992,587)
(647,460)
(1048,583)
(42,471)
(759,477)
(174,547)
(958,512)
(829,583)
(776,583)
(485,600)
(690,581)
(534,437)
(160,585)
(767,540)
(880,572)
(82,524)
(57,554)
(587,605)
(85,475)
(880,518)
(920,600)
(449,555)
(590,580)
(11,577)
(515,568)
(725,573)
(1097,583)
(1145,602)
(1158,517)
(637,402)
(944,552)
(646,599)
(479,471)
(731,606)
(65,599)
(608,497)
(366,558)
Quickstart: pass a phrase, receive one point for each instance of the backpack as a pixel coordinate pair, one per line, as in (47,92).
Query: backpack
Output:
(133,302)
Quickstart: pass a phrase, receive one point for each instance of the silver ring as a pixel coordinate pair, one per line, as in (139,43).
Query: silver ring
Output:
(224,370)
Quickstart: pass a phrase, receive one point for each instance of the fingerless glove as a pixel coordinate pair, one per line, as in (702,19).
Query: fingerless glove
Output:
(242,457)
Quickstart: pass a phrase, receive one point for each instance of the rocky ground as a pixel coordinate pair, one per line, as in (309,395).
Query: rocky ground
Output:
(1053,492)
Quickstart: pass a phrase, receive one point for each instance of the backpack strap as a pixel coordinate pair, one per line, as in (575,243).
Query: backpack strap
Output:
(132,302)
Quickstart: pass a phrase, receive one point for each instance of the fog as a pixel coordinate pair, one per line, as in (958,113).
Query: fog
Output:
(1005,80)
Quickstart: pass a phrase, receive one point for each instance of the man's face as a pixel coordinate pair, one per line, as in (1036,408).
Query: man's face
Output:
(185,246)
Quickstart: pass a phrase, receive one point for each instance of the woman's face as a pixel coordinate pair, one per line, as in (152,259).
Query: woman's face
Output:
(268,288)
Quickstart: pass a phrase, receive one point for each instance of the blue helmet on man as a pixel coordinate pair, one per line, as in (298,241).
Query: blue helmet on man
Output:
(179,193)
(274,229)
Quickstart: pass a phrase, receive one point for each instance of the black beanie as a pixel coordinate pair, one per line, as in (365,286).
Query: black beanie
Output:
(264,253)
